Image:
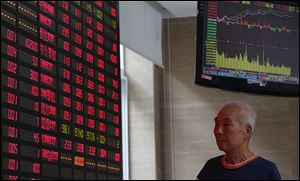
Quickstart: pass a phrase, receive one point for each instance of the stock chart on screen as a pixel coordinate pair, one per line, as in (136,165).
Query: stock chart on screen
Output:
(251,40)
(60,90)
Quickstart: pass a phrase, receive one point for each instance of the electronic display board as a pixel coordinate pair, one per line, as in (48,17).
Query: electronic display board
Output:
(60,90)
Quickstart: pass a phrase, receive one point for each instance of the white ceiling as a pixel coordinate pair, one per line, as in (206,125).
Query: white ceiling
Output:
(180,8)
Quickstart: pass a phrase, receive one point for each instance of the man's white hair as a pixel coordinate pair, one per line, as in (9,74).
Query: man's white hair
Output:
(246,112)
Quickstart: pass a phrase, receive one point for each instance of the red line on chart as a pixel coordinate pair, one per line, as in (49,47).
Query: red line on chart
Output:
(256,45)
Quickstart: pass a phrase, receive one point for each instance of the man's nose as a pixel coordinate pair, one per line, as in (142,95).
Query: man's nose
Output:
(219,130)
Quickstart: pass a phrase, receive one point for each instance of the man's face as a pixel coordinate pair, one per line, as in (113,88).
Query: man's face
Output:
(229,133)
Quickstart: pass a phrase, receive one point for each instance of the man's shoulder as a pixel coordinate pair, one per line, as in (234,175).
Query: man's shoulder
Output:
(214,159)
(266,163)
(210,167)
(268,168)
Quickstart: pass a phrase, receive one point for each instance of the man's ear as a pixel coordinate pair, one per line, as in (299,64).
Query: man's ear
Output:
(248,131)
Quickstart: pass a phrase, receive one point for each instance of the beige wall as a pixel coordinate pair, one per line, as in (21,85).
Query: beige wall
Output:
(139,72)
(186,123)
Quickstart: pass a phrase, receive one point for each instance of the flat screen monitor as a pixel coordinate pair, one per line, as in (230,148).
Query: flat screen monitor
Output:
(249,46)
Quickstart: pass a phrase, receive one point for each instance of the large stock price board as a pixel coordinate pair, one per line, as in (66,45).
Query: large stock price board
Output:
(60,90)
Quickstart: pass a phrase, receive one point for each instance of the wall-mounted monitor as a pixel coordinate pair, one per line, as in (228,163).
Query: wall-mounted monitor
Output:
(249,46)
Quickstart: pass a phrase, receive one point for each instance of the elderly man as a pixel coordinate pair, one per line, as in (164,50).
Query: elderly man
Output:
(234,125)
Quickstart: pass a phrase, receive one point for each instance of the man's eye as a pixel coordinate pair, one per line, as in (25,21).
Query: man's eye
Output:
(226,124)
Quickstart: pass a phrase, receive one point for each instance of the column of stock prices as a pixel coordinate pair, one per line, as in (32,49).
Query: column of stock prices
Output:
(60,90)
(252,40)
